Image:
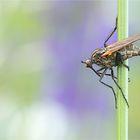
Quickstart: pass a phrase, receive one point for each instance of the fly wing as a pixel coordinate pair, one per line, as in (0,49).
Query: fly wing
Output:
(120,44)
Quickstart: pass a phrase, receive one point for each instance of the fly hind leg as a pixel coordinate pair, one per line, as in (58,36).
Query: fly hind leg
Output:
(119,60)
(100,80)
(109,36)
(112,73)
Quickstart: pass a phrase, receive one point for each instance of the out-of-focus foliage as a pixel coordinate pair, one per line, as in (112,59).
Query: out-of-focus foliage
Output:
(21,57)
(20,74)
(18,26)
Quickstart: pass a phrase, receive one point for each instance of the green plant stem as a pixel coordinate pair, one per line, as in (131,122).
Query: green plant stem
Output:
(122,74)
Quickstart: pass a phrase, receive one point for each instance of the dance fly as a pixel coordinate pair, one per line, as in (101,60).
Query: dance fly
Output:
(111,56)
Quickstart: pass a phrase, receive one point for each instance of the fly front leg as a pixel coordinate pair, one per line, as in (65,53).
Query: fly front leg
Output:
(100,80)
(95,71)
(98,71)
(109,36)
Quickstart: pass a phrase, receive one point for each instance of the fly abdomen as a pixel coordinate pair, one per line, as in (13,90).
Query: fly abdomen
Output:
(130,51)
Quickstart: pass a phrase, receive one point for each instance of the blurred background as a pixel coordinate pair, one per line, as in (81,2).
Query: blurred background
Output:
(45,92)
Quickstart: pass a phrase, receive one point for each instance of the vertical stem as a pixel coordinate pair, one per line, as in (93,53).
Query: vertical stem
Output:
(122,74)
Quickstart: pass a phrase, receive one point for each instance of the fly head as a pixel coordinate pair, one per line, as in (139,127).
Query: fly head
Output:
(96,55)
(88,63)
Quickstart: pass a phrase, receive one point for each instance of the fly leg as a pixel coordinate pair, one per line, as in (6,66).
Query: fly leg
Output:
(102,73)
(100,80)
(109,36)
(119,60)
(99,73)
(112,73)
(101,69)
(95,71)
(126,66)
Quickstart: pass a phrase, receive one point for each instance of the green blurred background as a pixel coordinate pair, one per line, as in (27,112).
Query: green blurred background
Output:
(45,92)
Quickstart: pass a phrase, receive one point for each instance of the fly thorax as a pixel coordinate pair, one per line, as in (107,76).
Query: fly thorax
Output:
(96,56)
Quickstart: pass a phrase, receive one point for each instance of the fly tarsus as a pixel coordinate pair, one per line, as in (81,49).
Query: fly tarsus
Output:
(112,73)
(100,80)
(126,66)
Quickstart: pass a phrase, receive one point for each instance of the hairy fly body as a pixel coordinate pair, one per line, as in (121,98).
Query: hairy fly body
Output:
(103,57)
(111,56)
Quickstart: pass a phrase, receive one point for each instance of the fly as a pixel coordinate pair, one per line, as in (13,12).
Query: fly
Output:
(111,56)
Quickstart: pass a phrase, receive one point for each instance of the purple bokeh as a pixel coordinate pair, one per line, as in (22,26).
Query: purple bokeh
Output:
(72,40)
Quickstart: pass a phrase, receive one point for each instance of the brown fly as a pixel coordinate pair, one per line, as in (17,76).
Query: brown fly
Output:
(111,56)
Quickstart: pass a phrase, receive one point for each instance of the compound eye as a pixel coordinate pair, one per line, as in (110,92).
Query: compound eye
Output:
(102,51)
